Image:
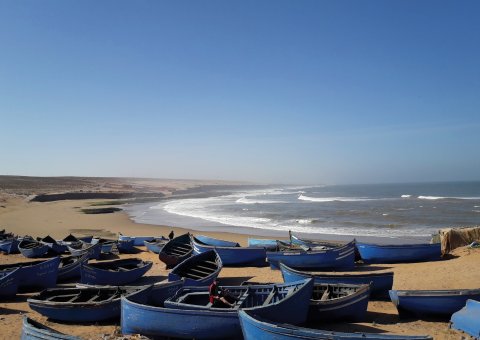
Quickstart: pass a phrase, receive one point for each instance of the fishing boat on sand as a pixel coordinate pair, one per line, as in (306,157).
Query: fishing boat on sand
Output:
(31,248)
(79,304)
(437,303)
(33,330)
(35,274)
(189,314)
(198,270)
(398,253)
(176,250)
(116,272)
(255,327)
(232,256)
(380,283)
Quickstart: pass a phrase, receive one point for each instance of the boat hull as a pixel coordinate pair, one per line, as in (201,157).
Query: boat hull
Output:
(352,307)
(255,328)
(176,251)
(8,283)
(466,319)
(36,274)
(216,242)
(234,256)
(32,330)
(83,311)
(198,270)
(213,323)
(155,246)
(98,276)
(32,249)
(94,250)
(72,271)
(380,283)
(9,246)
(374,253)
(262,243)
(437,303)
(334,258)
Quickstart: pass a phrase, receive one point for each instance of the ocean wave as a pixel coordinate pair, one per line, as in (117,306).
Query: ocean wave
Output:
(444,198)
(334,199)
(245,200)
(406,196)
(431,198)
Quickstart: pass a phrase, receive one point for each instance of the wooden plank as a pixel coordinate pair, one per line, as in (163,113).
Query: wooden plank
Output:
(270,297)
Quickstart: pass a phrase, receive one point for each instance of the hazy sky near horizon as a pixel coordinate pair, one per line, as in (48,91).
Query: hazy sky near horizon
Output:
(264,91)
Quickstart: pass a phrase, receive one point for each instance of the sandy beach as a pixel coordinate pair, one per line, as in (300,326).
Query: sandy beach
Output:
(59,218)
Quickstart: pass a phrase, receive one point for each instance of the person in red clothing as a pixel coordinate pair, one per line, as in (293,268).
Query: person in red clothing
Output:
(218,297)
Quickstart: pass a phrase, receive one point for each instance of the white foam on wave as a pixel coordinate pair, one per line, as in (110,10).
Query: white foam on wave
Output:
(431,198)
(245,200)
(406,196)
(333,199)
(442,198)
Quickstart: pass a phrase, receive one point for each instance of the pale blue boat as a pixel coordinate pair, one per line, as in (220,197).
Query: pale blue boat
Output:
(9,245)
(468,319)
(156,245)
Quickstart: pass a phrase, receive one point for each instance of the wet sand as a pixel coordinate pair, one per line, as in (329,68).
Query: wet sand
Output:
(62,217)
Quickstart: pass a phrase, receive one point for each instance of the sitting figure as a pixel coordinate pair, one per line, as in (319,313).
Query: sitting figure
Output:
(219,297)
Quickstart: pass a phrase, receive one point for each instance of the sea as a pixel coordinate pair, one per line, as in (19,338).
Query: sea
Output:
(412,211)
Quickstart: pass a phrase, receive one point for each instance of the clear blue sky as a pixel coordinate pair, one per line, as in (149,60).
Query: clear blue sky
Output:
(268,91)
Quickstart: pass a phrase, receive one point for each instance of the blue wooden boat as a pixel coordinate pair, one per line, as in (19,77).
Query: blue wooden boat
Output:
(268,244)
(108,246)
(380,283)
(176,250)
(55,247)
(338,302)
(255,327)
(35,274)
(79,249)
(8,283)
(215,241)
(116,272)
(80,304)
(198,270)
(467,319)
(156,245)
(332,258)
(125,246)
(9,245)
(33,330)
(192,316)
(137,240)
(69,267)
(31,248)
(233,256)
(398,253)
(424,303)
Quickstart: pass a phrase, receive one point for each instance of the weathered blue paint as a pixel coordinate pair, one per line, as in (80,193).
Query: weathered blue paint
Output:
(126,246)
(156,245)
(137,240)
(93,250)
(8,283)
(35,274)
(269,244)
(216,242)
(70,267)
(31,248)
(9,246)
(33,330)
(54,246)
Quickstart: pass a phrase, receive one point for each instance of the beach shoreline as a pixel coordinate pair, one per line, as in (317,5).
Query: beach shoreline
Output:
(59,218)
